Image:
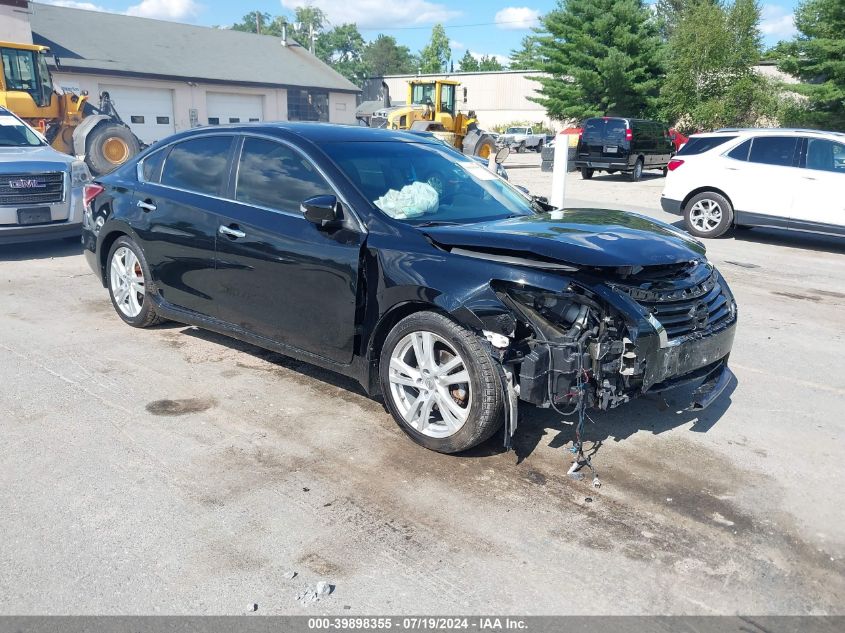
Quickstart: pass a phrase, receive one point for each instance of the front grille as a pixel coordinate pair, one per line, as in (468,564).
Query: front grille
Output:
(697,308)
(31,189)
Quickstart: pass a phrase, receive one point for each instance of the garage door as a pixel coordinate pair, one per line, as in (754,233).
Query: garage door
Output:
(148,111)
(224,107)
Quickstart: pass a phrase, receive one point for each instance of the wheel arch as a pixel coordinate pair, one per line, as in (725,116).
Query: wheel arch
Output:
(692,194)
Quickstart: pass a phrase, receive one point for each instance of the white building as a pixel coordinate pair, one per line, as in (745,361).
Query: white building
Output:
(164,76)
(497,97)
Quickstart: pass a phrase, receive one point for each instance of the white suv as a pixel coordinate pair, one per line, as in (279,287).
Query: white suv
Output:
(791,179)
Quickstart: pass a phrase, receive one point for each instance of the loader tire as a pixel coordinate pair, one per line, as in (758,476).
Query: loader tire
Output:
(485,146)
(108,146)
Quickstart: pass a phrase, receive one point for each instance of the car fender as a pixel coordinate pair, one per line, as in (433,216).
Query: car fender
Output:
(81,132)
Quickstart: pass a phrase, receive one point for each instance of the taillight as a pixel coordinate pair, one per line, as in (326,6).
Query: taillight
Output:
(629,134)
(674,164)
(90,192)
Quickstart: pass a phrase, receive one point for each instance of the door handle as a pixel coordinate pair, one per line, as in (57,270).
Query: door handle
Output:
(230,232)
(146,206)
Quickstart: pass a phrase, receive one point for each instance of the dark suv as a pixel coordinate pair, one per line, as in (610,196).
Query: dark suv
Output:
(332,244)
(615,144)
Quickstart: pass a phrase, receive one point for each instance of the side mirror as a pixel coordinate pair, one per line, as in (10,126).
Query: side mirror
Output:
(324,211)
(502,155)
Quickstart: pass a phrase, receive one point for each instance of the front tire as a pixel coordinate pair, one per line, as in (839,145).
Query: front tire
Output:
(708,214)
(128,280)
(440,383)
(108,146)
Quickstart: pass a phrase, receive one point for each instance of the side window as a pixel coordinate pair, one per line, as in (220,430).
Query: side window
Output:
(740,152)
(199,164)
(275,176)
(825,155)
(152,165)
(773,150)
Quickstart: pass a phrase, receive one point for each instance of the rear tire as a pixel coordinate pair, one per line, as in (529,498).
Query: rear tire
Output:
(587,173)
(414,390)
(539,147)
(708,214)
(128,278)
(108,146)
(637,173)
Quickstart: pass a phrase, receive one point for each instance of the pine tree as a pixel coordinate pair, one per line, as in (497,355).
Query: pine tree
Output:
(601,57)
(817,56)
(434,57)
(528,57)
(383,56)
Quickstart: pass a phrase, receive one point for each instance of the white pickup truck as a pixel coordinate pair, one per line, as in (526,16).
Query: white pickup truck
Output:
(520,139)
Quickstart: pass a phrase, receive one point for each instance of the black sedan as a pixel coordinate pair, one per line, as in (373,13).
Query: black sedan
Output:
(390,258)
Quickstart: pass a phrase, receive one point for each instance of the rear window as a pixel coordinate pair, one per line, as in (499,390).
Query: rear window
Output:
(699,145)
(600,130)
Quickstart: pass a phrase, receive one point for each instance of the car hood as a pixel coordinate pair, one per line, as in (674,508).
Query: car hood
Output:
(583,237)
(24,159)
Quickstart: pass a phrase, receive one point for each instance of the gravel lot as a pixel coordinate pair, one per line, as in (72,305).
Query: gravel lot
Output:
(177,471)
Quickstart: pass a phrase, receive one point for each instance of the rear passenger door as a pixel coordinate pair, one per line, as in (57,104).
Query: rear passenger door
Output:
(279,276)
(176,222)
(819,201)
(762,175)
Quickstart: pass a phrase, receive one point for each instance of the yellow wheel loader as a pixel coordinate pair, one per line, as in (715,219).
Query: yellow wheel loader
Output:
(431,107)
(69,122)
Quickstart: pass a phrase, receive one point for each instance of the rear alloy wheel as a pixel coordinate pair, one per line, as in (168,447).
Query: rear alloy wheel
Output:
(708,215)
(440,384)
(637,173)
(127,279)
(587,173)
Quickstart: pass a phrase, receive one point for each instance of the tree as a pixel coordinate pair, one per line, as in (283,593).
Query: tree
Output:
(342,48)
(528,57)
(468,63)
(383,56)
(259,22)
(600,57)
(435,55)
(710,79)
(488,63)
(306,20)
(817,55)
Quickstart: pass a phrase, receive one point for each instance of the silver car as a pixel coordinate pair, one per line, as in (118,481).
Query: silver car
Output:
(40,188)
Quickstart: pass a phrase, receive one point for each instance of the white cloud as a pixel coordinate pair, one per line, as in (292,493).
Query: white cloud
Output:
(517,18)
(176,10)
(776,22)
(456,45)
(378,13)
(72,4)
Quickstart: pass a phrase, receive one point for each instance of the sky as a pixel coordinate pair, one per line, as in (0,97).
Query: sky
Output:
(483,27)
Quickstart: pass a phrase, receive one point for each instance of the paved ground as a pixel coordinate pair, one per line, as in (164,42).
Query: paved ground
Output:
(114,500)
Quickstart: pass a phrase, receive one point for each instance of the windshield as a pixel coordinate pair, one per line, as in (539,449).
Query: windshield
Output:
(516,130)
(14,133)
(427,183)
(423,94)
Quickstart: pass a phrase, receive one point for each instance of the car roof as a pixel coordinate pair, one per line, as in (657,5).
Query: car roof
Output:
(319,133)
(782,131)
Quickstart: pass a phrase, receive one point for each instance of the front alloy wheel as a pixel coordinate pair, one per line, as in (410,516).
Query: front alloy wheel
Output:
(429,384)
(440,383)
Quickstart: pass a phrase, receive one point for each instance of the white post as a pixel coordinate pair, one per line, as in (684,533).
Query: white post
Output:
(491,162)
(561,168)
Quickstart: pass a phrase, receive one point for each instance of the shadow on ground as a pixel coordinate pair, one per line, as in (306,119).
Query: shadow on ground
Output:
(40,250)
(655,414)
(781,237)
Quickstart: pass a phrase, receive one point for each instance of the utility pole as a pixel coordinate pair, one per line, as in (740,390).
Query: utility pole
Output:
(258,22)
(311,32)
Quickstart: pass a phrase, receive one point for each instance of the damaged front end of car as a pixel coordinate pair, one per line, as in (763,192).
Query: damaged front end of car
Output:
(609,335)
